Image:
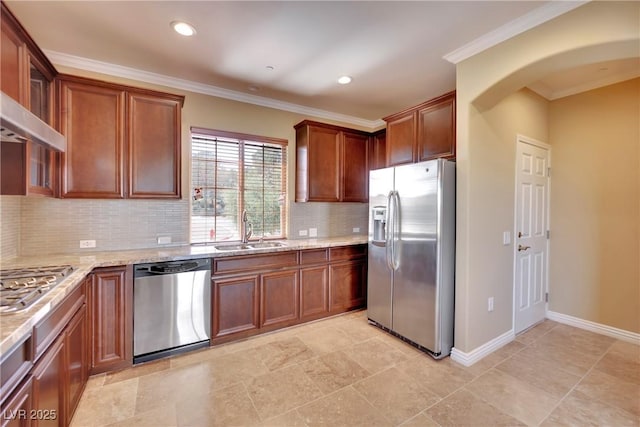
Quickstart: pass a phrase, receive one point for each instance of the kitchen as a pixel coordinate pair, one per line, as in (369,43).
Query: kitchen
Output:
(478,277)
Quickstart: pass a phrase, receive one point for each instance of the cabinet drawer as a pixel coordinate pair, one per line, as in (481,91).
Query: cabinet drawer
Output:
(46,331)
(314,256)
(14,366)
(347,252)
(254,262)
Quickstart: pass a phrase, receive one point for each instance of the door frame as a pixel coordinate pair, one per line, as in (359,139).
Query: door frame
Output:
(522,139)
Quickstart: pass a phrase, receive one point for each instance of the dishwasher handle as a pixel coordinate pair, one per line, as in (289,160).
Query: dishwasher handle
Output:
(175,267)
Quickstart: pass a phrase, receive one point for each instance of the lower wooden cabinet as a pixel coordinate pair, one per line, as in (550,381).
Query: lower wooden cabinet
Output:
(111,313)
(16,410)
(77,359)
(50,386)
(235,305)
(346,290)
(256,294)
(314,292)
(279,301)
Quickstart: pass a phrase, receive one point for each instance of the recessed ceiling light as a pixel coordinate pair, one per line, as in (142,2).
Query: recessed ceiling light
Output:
(344,80)
(183,28)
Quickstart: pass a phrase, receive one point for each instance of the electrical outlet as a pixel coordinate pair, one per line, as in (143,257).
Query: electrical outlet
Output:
(490,304)
(356,229)
(85,244)
(302,233)
(313,232)
(164,240)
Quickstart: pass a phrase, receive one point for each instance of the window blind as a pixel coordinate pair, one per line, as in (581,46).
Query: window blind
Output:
(230,174)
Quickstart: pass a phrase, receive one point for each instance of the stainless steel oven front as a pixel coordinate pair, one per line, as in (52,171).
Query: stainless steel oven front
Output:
(171,308)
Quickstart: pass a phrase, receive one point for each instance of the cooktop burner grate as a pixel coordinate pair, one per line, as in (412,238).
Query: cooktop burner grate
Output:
(22,287)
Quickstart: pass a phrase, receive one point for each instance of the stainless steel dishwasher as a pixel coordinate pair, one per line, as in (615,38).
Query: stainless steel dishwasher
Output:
(171,308)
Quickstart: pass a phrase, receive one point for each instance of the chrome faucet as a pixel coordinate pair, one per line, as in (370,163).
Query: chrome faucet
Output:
(244,233)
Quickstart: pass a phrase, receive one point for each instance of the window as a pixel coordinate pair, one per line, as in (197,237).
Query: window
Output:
(233,172)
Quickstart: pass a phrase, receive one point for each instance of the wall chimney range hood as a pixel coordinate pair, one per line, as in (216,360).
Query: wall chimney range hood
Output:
(19,124)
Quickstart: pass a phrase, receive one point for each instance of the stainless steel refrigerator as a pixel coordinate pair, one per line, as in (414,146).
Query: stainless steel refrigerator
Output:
(412,253)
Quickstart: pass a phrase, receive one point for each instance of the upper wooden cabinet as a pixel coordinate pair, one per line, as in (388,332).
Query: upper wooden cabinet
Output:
(26,72)
(424,132)
(121,141)
(26,75)
(92,118)
(154,145)
(331,163)
(378,150)
(354,182)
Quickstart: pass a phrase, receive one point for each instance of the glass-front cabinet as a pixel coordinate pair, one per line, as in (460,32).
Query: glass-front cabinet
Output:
(41,159)
(27,76)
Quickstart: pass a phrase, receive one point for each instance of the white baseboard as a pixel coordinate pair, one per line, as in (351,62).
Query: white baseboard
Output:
(468,359)
(598,328)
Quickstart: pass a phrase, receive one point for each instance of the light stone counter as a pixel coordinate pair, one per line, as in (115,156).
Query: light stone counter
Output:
(16,327)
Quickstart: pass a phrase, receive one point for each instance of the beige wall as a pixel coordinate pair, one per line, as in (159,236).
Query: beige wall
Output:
(595,206)
(594,32)
(492,195)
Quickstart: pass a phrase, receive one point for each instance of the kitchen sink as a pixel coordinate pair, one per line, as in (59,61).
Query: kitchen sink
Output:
(261,245)
(245,246)
(237,247)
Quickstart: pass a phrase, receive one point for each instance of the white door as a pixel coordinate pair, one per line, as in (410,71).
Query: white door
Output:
(531,233)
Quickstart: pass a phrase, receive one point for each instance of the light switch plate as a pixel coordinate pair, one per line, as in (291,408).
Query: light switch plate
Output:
(506,238)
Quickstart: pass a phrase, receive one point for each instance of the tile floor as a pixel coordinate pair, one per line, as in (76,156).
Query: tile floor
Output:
(344,372)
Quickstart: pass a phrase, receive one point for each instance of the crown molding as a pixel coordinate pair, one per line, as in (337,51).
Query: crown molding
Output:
(63,59)
(574,90)
(511,29)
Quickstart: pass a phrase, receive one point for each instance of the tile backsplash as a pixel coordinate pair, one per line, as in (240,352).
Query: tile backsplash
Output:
(55,226)
(37,225)
(329,219)
(10,226)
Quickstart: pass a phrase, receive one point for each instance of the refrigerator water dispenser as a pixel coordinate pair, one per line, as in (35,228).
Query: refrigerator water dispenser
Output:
(379,218)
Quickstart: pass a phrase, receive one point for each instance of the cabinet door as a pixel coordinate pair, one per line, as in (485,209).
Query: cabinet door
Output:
(17,408)
(111,300)
(323,158)
(437,130)
(50,386)
(154,147)
(235,305)
(13,62)
(77,361)
(92,117)
(355,168)
(347,285)
(279,298)
(378,150)
(401,137)
(314,292)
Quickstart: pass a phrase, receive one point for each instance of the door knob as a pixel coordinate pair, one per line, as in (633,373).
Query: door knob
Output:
(523,248)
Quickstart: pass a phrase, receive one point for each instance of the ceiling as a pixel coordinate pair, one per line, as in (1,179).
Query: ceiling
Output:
(393,50)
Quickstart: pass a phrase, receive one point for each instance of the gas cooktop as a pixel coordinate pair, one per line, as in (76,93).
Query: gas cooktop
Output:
(22,287)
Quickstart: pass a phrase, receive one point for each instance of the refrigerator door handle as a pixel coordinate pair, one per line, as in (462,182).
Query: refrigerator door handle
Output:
(395,257)
(389,231)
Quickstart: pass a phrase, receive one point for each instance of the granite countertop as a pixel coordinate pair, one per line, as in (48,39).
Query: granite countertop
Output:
(15,327)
